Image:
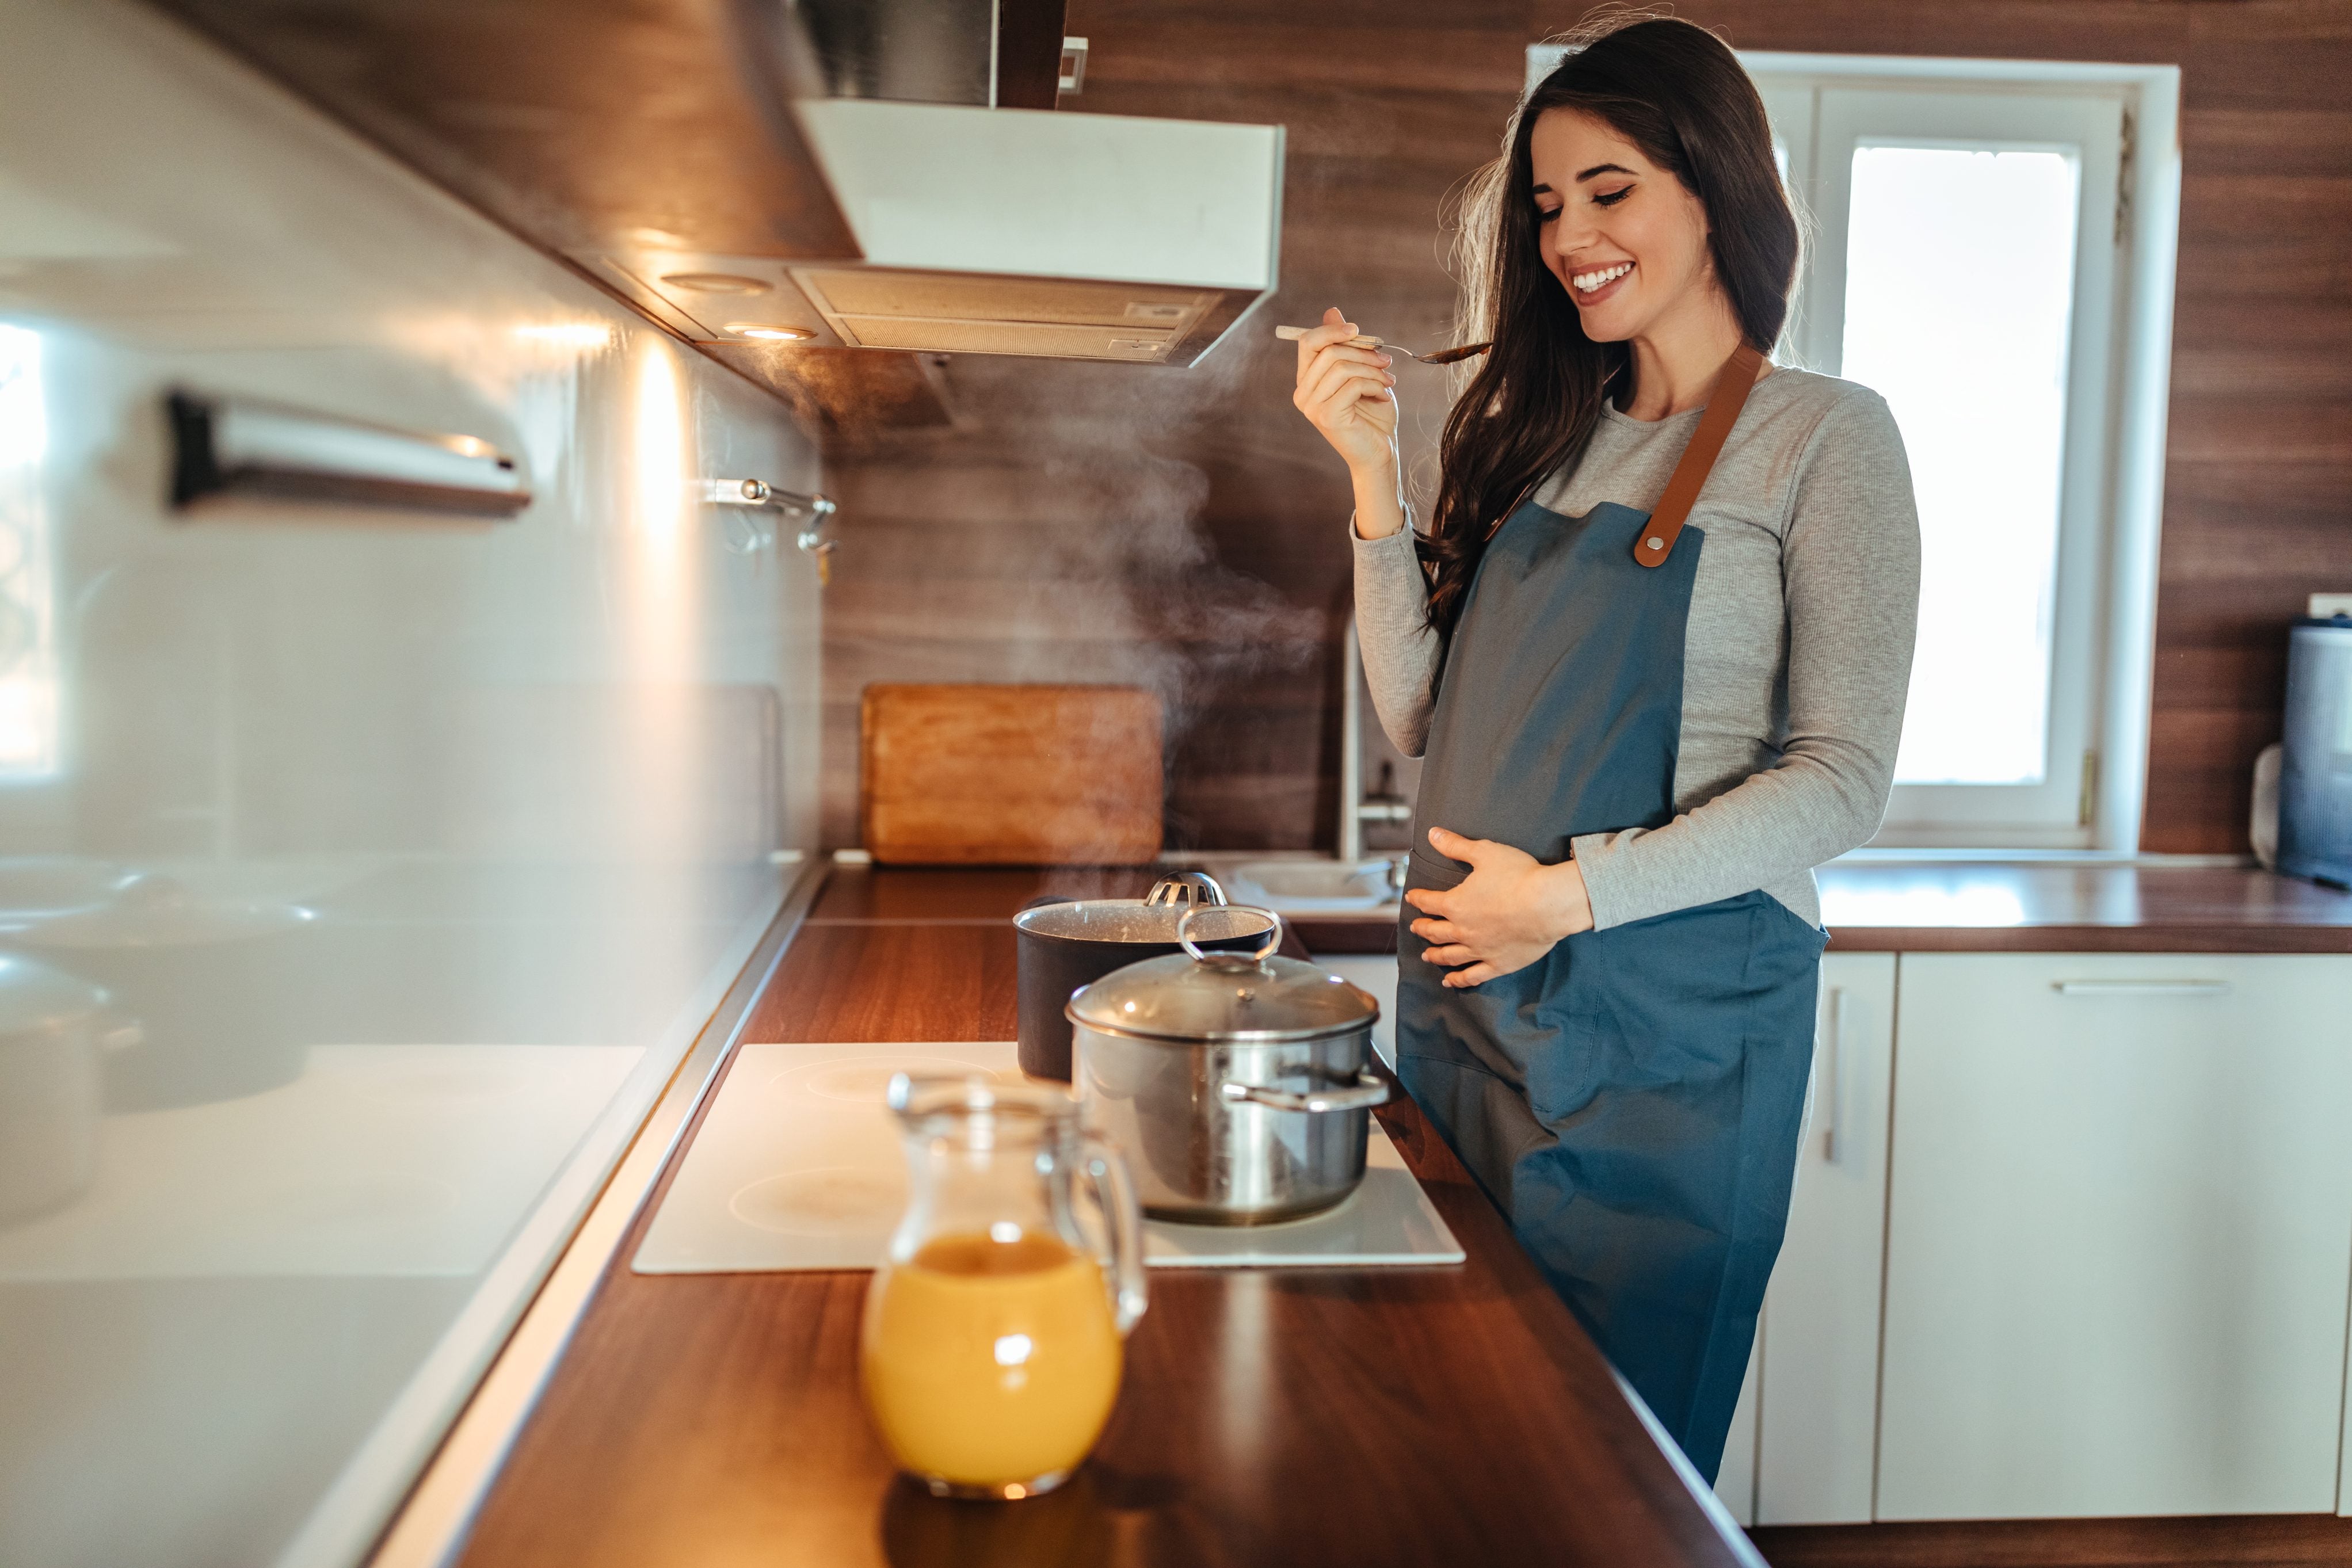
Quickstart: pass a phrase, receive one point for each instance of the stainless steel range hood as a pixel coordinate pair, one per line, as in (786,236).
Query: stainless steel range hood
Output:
(1002,231)
(685,154)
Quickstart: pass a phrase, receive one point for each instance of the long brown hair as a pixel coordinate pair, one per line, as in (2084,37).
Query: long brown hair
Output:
(1674,90)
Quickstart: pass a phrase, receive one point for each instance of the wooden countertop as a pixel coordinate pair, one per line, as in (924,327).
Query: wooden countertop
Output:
(2024,907)
(1363,1416)
(1955,906)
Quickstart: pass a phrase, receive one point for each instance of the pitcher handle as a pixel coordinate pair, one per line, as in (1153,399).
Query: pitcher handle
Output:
(1115,1191)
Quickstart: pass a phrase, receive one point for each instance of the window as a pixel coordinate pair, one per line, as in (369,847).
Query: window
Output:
(29,650)
(1992,253)
(1959,263)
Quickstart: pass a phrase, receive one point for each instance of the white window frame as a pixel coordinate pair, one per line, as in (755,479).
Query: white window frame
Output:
(2121,122)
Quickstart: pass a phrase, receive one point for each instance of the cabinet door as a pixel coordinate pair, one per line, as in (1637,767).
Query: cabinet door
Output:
(1734,1482)
(1818,1356)
(1377,973)
(2120,1231)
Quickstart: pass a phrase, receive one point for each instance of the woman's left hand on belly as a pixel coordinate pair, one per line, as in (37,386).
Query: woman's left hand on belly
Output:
(1506,914)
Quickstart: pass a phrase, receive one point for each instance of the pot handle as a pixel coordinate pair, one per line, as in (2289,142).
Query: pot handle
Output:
(1200,954)
(1196,888)
(1114,1193)
(1370,1090)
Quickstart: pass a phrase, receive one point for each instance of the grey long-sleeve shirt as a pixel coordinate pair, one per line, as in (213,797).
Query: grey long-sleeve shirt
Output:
(1795,664)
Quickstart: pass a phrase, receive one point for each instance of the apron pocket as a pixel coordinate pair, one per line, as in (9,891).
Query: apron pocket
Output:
(1429,869)
(1678,993)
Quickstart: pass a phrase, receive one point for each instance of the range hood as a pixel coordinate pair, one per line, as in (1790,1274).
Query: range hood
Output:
(691,155)
(999,231)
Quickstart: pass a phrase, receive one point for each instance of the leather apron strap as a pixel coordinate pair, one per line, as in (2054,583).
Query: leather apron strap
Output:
(1732,384)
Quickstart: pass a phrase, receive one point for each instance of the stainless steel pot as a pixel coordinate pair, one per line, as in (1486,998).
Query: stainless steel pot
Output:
(1237,1083)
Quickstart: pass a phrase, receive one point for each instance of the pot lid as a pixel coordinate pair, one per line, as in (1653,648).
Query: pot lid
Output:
(1150,919)
(1132,920)
(35,997)
(1195,997)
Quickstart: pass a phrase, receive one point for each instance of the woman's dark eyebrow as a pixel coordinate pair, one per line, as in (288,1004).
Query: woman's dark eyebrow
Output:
(1584,175)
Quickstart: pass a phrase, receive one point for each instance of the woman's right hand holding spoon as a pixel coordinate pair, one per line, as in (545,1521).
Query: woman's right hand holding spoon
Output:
(1349,394)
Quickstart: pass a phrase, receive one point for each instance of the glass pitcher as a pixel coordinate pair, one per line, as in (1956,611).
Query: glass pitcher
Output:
(993,1340)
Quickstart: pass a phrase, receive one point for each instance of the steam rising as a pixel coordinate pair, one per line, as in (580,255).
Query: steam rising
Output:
(1056,536)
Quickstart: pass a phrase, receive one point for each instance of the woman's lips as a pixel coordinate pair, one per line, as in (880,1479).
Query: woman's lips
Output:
(1594,297)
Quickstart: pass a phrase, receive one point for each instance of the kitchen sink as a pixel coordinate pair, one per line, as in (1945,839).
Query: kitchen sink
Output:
(1314,888)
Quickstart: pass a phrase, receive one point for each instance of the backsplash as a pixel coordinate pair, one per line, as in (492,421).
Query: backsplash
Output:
(368,870)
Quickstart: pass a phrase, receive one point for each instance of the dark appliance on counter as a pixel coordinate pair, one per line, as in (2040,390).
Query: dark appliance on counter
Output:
(2314,831)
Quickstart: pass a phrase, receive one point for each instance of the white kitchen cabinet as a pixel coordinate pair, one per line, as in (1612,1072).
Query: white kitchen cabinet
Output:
(2119,1236)
(1377,973)
(1734,1482)
(1818,1391)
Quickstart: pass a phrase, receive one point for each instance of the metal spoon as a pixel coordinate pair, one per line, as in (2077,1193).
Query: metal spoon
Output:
(1437,357)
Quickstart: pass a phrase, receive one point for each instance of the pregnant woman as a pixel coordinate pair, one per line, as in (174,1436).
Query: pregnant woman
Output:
(1655,646)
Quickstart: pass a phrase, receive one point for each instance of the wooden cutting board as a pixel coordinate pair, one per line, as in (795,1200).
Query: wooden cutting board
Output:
(1011,775)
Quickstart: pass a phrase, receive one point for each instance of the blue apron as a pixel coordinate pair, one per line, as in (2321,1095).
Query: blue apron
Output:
(1632,1099)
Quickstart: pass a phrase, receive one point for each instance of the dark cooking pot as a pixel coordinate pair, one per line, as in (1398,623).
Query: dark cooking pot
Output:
(1069,943)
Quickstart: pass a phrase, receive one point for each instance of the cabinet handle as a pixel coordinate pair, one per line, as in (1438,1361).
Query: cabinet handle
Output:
(2141,988)
(1833,1073)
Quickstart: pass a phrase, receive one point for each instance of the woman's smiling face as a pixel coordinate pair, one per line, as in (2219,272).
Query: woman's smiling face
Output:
(1623,236)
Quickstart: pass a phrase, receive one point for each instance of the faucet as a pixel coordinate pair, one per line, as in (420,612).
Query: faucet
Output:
(1384,803)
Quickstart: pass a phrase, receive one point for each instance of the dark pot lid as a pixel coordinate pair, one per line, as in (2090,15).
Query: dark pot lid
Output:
(1151,920)
(1217,997)
(1132,920)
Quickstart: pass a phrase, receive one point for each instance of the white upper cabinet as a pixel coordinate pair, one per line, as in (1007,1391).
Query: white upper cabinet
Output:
(1818,1362)
(2120,1232)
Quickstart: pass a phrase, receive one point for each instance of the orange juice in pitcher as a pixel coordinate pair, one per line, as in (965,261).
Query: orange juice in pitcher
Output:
(993,1339)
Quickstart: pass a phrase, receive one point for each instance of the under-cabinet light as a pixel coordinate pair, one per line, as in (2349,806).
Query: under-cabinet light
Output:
(717,282)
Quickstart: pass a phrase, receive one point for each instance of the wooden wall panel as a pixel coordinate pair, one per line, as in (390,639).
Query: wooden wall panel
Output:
(1184,529)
